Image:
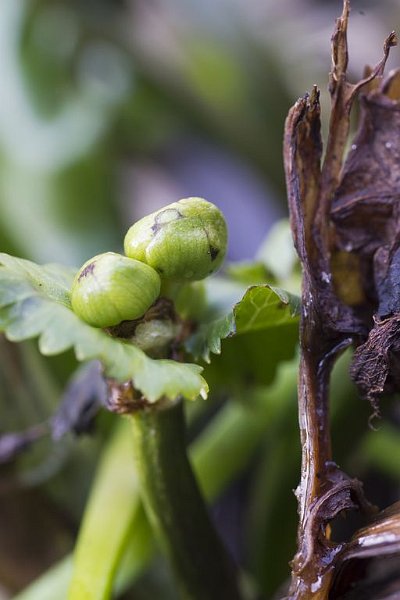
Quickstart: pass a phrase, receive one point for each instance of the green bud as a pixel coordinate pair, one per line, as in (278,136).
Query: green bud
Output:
(184,241)
(111,288)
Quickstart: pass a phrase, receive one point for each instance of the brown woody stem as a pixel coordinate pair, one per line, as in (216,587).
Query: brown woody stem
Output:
(329,322)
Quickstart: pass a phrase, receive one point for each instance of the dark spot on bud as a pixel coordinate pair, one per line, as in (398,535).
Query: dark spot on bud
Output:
(213,253)
(87,271)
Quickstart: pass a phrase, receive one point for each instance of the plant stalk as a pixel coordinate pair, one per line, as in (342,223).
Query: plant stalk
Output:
(176,508)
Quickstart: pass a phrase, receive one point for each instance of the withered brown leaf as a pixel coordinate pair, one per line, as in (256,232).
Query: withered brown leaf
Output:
(366,215)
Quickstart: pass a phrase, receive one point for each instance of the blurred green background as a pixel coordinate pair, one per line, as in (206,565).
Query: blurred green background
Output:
(108,110)
(111,108)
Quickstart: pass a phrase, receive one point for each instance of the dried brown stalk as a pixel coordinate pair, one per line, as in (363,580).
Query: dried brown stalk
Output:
(332,316)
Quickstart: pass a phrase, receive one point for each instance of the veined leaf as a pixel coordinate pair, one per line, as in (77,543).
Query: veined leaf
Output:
(265,306)
(260,307)
(35,302)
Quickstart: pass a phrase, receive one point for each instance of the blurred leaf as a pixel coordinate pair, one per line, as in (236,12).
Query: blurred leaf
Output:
(251,359)
(53,584)
(381,449)
(107,522)
(249,272)
(277,252)
(225,447)
(65,215)
(148,119)
(35,302)
(272,540)
(214,75)
(48,25)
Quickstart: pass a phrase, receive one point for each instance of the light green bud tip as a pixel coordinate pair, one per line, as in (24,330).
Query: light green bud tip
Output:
(111,288)
(184,241)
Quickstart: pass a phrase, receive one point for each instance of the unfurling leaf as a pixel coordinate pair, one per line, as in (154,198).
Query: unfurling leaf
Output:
(259,307)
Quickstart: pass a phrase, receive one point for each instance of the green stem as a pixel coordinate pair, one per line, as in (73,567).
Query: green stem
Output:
(176,509)
(170,289)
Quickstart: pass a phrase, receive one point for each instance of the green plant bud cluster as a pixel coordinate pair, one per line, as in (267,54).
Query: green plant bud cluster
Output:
(111,288)
(182,242)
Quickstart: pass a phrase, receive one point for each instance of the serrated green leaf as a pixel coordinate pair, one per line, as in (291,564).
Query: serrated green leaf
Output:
(34,302)
(265,306)
(52,281)
(260,307)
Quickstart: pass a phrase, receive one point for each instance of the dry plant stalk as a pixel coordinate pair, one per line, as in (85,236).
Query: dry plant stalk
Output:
(346,228)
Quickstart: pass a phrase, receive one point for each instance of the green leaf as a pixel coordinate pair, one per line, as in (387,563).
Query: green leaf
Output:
(35,302)
(51,281)
(265,306)
(260,307)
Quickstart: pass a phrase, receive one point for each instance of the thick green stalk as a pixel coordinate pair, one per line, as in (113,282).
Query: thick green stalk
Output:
(176,508)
